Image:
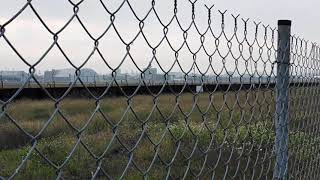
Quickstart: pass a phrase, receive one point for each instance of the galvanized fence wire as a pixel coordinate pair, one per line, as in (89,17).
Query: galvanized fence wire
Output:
(303,110)
(225,130)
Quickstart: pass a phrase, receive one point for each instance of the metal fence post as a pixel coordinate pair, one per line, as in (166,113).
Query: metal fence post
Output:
(1,79)
(282,100)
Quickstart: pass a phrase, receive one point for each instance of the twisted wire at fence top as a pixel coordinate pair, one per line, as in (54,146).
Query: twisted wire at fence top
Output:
(246,146)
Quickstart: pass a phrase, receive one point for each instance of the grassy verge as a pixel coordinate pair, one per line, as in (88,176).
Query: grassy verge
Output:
(220,134)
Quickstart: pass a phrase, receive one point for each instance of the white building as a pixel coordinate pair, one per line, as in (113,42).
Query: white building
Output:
(69,75)
(13,76)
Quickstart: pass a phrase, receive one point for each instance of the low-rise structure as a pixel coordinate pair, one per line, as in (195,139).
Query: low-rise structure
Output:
(13,76)
(69,75)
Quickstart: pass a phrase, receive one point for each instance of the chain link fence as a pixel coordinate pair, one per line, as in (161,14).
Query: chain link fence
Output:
(245,105)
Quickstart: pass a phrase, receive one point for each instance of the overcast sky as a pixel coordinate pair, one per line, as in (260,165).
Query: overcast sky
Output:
(31,39)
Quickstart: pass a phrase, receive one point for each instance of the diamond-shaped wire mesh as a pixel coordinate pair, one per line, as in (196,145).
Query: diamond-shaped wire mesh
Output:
(208,114)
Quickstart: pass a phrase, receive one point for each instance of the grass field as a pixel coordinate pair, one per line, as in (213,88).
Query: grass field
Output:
(219,134)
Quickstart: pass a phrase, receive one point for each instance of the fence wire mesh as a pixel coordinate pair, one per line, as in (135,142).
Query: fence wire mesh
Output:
(208,114)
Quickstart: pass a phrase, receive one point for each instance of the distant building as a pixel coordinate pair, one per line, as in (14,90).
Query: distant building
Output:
(150,71)
(151,74)
(118,71)
(176,76)
(69,75)
(13,76)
